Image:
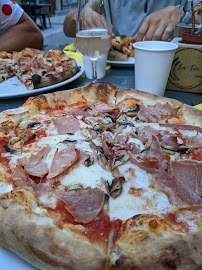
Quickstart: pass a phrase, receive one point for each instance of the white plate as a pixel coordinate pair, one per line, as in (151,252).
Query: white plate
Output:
(13,87)
(10,261)
(129,63)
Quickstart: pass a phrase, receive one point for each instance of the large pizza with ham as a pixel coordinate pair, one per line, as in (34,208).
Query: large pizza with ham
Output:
(102,178)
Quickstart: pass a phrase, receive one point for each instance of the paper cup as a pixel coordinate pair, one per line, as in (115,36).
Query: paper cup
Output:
(101,66)
(153,60)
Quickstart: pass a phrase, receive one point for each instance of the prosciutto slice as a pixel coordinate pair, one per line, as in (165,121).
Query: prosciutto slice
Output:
(37,166)
(153,114)
(20,177)
(164,136)
(185,179)
(66,124)
(102,107)
(188,177)
(62,160)
(84,205)
(184,127)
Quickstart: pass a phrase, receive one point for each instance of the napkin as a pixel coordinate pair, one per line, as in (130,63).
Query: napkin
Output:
(70,51)
(199,107)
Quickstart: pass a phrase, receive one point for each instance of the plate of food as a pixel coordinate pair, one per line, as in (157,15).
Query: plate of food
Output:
(32,71)
(122,52)
(100,177)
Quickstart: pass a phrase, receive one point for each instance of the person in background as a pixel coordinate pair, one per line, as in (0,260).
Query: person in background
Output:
(17,30)
(145,19)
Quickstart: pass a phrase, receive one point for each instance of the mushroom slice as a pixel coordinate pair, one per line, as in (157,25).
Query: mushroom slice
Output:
(26,138)
(126,124)
(133,112)
(116,173)
(96,145)
(121,119)
(111,117)
(106,184)
(13,140)
(69,142)
(116,187)
(89,133)
(106,203)
(181,149)
(12,150)
(91,120)
(102,160)
(30,124)
(75,187)
(90,159)
(119,161)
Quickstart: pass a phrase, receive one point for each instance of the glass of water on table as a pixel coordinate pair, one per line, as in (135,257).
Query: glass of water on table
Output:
(93,31)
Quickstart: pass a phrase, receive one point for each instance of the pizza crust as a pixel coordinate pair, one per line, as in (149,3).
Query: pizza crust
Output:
(96,92)
(37,240)
(144,97)
(151,243)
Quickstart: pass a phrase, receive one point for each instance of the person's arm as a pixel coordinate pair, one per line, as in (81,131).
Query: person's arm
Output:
(69,25)
(21,35)
(159,25)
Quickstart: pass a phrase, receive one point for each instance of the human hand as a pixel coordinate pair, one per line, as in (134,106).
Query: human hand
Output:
(90,18)
(159,25)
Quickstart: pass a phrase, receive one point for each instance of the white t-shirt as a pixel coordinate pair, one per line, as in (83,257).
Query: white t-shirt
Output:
(10,14)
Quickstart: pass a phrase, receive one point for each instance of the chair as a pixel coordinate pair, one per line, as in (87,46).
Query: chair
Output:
(30,8)
(35,11)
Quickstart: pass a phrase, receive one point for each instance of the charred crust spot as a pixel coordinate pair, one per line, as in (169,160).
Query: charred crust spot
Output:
(36,79)
(170,258)
(136,216)
(78,69)
(153,224)
(49,75)
(101,87)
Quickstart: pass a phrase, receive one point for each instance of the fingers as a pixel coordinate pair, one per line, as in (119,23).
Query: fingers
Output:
(158,25)
(169,29)
(134,39)
(142,31)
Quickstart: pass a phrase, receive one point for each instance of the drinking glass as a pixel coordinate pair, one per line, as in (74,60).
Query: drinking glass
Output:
(93,31)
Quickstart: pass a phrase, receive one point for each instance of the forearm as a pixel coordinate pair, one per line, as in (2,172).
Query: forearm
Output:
(69,26)
(23,34)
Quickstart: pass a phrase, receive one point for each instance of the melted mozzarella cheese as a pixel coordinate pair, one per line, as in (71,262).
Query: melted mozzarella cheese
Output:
(87,176)
(147,200)
(5,187)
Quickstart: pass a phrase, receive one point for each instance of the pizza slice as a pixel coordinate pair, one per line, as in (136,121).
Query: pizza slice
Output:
(7,67)
(36,68)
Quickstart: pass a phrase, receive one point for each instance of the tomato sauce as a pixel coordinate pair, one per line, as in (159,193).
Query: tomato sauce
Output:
(98,229)
(40,133)
(172,217)
(4,160)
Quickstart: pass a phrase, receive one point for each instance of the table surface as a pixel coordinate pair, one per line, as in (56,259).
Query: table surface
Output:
(121,77)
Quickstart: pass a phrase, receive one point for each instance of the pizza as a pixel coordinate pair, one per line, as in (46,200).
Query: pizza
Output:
(36,68)
(122,48)
(102,178)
